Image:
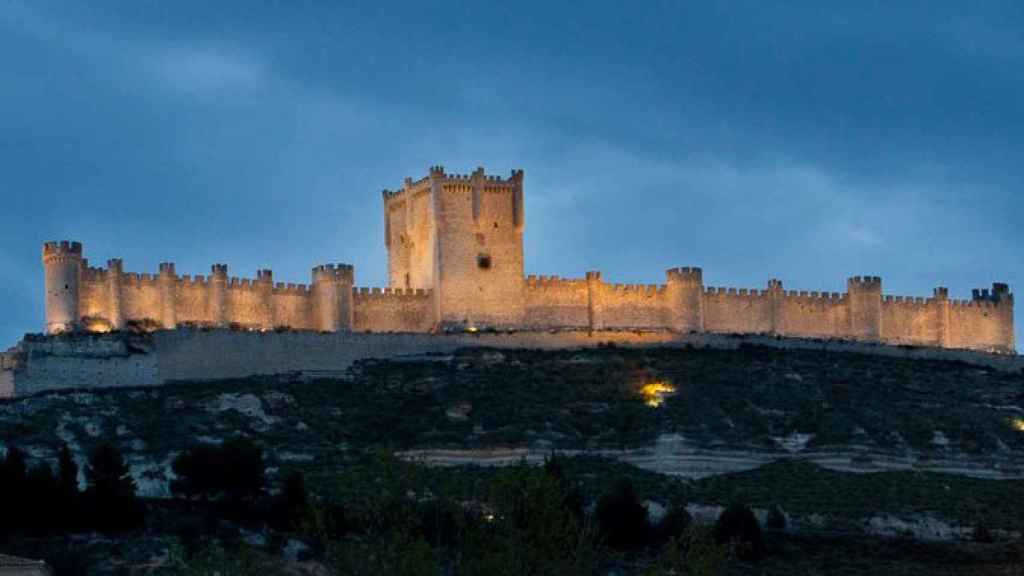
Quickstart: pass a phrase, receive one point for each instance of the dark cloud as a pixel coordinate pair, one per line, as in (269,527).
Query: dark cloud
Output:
(808,142)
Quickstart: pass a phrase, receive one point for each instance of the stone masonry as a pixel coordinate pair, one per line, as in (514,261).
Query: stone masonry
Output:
(455,263)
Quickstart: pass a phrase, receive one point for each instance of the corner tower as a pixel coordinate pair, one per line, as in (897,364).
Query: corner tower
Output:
(460,236)
(62,263)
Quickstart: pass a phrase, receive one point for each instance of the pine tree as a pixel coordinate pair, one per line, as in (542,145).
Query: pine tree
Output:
(68,498)
(111,490)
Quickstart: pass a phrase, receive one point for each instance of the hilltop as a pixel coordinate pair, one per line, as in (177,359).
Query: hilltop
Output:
(844,443)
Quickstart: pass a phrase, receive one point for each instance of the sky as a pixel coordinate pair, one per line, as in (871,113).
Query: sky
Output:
(805,141)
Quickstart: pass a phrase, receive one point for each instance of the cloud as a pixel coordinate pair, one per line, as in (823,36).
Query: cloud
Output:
(209,70)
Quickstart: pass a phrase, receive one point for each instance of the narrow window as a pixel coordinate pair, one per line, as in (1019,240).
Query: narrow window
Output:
(483,261)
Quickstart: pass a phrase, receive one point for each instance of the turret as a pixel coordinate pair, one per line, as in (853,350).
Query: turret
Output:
(1002,337)
(865,301)
(594,305)
(62,264)
(168,283)
(685,292)
(265,297)
(217,312)
(332,297)
(115,311)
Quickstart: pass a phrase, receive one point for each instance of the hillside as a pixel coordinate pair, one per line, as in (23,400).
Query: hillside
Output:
(846,444)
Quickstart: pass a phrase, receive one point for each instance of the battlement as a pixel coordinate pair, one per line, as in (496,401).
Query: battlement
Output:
(1000,293)
(137,280)
(455,248)
(364,292)
(235,283)
(291,288)
(687,274)
(335,272)
(864,283)
(813,295)
(641,289)
(62,249)
(734,292)
(187,281)
(534,282)
(910,301)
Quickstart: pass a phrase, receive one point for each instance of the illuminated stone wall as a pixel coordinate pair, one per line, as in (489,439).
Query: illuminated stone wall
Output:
(455,260)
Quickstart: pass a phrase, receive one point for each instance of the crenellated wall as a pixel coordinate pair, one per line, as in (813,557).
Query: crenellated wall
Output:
(553,302)
(391,310)
(455,260)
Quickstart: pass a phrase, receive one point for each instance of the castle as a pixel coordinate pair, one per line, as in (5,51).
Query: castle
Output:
(455,263)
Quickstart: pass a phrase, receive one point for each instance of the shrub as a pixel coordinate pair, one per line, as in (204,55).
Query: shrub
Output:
(291,505)
(982,534)
(233,471)
(737,528)
(675,524)
(694,553)
(530,531)
(113,505)
(621,518)
(776,519)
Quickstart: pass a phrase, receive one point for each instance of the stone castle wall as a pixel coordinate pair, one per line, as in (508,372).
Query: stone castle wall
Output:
(82,362)
(455,261)
(109,299)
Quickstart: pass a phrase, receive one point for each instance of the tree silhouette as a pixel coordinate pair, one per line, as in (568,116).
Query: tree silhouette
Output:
(111,490)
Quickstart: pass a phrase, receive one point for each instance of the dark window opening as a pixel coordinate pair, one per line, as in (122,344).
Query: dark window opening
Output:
(483,261)
(495,224)
(66,287)
(406,279)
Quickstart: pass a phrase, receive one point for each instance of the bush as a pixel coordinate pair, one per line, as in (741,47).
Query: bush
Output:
(737,528)
(982,534)
(776,519)
(621,518)
(675,524)
(291,506)
(233,471)
(694,553)
(111,498)
(531,531)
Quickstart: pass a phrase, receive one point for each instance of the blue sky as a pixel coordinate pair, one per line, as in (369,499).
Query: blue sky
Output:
(807,141)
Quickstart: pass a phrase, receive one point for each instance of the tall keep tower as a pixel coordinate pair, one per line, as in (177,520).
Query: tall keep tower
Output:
(460,236)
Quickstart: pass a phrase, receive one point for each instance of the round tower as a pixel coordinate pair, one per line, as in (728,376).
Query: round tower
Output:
(332,297)
(685,294)
(218,295)
(62,262)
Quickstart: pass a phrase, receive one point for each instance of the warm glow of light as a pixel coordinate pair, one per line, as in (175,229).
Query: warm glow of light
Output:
(471,329)
(1018,424)
(654,393)
(97,327)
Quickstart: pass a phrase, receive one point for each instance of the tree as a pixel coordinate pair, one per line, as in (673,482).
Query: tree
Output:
(68,497)
(111,490)
(13,481)
(621,518)
(40,506)
(291,505)
(531,531)
(737,527)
